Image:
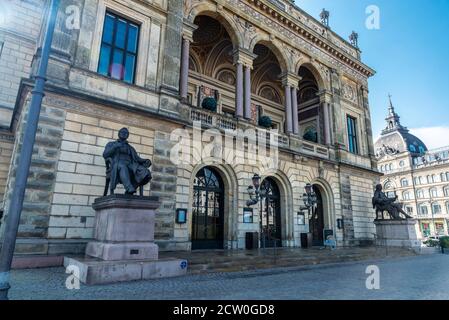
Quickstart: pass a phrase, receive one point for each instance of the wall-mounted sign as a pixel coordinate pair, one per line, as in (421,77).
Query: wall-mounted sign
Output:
(181,216)
(247,215)
(340,224)
(300,218)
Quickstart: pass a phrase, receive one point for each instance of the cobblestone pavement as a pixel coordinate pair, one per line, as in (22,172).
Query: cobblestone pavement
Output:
(419,277)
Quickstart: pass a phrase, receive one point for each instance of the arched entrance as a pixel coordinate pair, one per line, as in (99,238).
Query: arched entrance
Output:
(316,223)
(270,210)
(208,210)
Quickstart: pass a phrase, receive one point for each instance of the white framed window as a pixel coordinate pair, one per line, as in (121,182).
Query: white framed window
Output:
(420,194)
(446,191)
(422,209)
(436,208)
(406,195)
(404,182)
(434,192)
(135,17)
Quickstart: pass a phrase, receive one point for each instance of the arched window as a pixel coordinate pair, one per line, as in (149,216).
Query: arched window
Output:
(390,167)
(422,209)
(412,148)
(434,178)
(434,192)
(388,185)
(436,208)
(443,177)
(429,179)
(406,195)
(404,182)
(446,191)
(420,194)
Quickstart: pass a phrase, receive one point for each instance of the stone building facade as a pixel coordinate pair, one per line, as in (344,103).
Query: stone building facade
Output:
(163,69)
(418,176)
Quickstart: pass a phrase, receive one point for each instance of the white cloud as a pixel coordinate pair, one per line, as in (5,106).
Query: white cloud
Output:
(433,137)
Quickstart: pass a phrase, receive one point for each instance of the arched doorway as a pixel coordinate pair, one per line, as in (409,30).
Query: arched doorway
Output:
(316,223)
(208,210)
(270,210)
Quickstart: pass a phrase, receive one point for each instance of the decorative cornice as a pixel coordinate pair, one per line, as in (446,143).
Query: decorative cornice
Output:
(311,35)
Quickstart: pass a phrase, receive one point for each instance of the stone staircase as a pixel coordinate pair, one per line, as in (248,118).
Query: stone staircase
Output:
(240,260)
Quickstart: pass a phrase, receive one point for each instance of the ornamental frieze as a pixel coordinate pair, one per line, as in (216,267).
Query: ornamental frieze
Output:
(247,30)
(296,41)
(300,43)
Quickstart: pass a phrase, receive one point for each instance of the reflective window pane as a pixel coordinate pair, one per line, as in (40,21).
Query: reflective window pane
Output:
(105,57)
(108,31)
(129,68)
(120,35)
(132,38)
(117,65)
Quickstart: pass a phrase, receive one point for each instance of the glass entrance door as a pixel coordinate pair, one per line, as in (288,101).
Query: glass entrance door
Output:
(207,210)
(270,214)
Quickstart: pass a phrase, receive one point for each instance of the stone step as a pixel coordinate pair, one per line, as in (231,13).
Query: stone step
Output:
(242,263)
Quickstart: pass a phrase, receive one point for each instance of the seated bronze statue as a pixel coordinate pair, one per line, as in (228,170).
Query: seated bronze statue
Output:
(124,166)
(381,202)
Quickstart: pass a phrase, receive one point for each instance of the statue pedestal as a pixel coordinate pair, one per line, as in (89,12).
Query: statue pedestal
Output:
(124,248)
(397,233)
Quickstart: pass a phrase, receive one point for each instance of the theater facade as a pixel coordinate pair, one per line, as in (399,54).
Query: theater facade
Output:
(212,92)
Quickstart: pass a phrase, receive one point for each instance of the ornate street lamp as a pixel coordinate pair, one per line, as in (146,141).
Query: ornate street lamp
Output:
(309,198)
(254,191)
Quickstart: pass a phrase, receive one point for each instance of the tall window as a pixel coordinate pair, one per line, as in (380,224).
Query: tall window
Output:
(352,134)
(446,191)
(436,208)
(404,182)
(406,195)
(422,209)
(118,53)
(420,194)
(434,192)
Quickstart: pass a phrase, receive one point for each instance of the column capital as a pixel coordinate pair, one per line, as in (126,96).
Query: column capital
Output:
(290,79)
(243,56)
(187,30)
(325,96)
(364,88)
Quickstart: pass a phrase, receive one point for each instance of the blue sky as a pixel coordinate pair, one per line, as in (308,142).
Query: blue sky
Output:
(410,53)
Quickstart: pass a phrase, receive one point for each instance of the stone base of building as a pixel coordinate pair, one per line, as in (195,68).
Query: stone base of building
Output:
(124,248)
(397,233)
(94,271)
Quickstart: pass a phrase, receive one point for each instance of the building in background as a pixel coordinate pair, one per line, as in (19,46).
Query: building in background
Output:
(156,66)
(418,176)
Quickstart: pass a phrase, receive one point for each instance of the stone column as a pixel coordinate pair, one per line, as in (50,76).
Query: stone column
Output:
(239,90)
(183,83)
(327,127)
(247,92)
(172,54)
(288,109)
(295,110)
(325,104)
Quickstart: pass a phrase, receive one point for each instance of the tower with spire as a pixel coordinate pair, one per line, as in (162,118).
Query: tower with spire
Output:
(393,120)
(396,138)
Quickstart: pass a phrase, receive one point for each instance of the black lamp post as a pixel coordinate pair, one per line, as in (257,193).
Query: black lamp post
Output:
(16,203)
